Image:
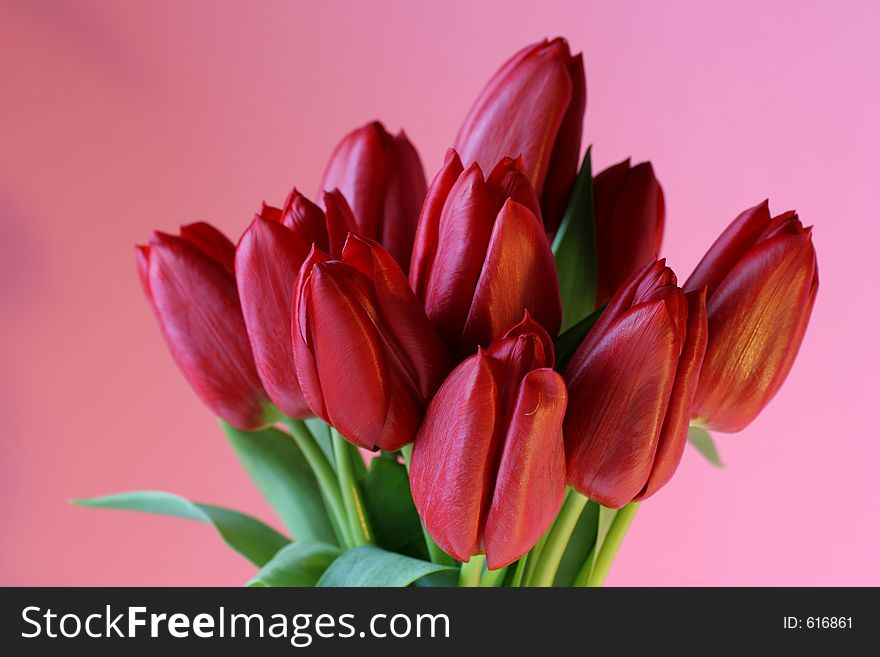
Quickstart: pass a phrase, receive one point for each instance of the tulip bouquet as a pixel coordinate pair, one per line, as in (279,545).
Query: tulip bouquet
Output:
(476,381)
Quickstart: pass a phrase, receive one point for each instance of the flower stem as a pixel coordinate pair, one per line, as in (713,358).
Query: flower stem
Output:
(436,554)
(613,540)
(325,475)
(493,578)
(520,570)
(358,524)
(557,539)
(471,571)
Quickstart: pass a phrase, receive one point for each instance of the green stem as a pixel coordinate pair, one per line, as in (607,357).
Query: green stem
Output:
(435,552)
(557,540)
(351,495)
(583,576)
(493,578)
(612,543)
(325,475)
(471,571)
(520,570)
(534,556)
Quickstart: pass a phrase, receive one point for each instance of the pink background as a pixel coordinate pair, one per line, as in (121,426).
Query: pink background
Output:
(120,117)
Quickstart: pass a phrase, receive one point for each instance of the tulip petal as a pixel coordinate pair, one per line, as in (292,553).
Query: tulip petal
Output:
(306,219)
(518,274)
(300,333)
(357,169)
(740,236)
(619,393)
(450,473)
(403,324)
(405,188)
(563,166)
(520,111)
(428,232)
(266,263)
(350,361)
(340,220)
(757,319)
(197,306)
(673,436)
(530,483)
(630,212)
(211,242)
(463,237)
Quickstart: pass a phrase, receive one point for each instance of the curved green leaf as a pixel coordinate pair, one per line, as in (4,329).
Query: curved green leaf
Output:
(575,250)
(390,507)
(566,344)
(248,536)
(705,444)
(296,564)
(371,566)
(281,472)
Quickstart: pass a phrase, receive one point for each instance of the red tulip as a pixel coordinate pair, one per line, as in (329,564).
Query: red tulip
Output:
(630,212)
(631,384)
(488,465)
(383,179)
(190,284)
(533,107)
(762,278)
(481,256)
(367,358)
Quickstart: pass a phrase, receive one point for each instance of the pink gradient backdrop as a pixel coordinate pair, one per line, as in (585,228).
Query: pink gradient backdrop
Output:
(118,117)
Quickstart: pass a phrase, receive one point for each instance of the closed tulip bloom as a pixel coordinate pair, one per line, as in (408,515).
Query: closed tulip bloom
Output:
(631,384)
(488,464)
(190,284)
(367,358)
(762,279)
(630,213)
(481,256)
(532,107)
(382,178)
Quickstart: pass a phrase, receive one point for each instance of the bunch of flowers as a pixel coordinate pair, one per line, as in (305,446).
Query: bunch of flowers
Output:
(475,381)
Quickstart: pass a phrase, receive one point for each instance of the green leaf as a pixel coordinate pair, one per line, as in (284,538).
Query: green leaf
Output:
(371,566)
(568,342)
(705,444)
(582,540)
(246,535)
(296,564)
(392,513)
(281,472)
(575,250)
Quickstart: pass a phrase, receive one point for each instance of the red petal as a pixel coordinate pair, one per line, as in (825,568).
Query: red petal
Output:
(357,169)
(673,436)
(509,181)
(211,242)
(267,260)
(405,188)
(405,329)
(565,158)
(340,220)
(520,111)
(519,274)
(619,392)
(464,231)
(306,220)
(740,236)
(350,360)
(196,303)
(630,214)
(531,476)
(448,475)
(757,318)
(428,232)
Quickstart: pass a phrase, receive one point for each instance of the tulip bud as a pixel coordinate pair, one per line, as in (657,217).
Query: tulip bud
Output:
(481,256)
(488,465)
(382,178)
(631,383)
(367,358)
(630,212)
(762,278)
(532,107)
(190,284)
